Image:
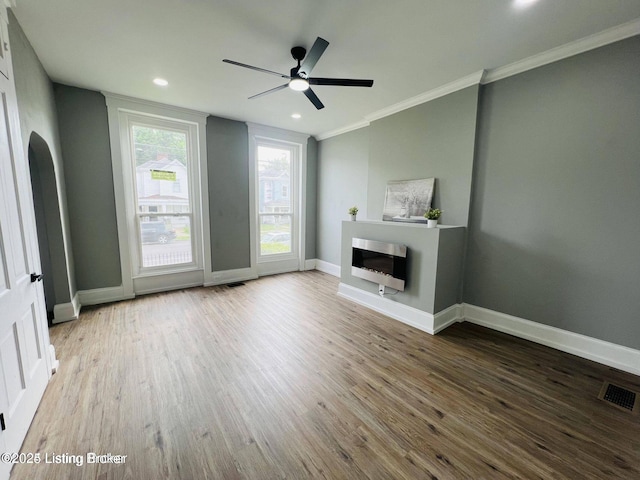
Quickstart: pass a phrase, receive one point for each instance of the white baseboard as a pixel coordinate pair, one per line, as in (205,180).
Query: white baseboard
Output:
(606,353)
(617,356)
(419,319)
(97,296)
(310,264)
(327,267)
(53,361)
(64,312)
(230,276)
(447,317)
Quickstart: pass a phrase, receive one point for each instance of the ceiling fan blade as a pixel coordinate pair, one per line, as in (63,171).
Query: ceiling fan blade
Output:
(318,48)
(314,98)
(282,75)
(340,82)
(269,91)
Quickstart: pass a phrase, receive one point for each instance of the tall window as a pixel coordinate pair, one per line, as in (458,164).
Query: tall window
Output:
(277,165)
(161,171)
(159,179)
(275,168)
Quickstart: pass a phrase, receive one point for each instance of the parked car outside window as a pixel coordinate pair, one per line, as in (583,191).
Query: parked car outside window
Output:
(156,232)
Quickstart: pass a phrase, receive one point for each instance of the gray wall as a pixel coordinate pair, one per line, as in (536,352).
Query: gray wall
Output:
(434,261)
(84,134)
(38,114)
(311,197)
(435,139)
(554,229)
(228,170)
(48,224)
(342,183)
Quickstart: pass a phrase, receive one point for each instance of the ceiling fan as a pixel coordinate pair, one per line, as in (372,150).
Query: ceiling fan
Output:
(299,78)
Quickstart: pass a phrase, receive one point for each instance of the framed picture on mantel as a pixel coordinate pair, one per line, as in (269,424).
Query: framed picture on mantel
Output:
(408,200)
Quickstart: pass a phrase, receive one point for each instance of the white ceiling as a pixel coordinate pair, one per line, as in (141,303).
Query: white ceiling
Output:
(407,46)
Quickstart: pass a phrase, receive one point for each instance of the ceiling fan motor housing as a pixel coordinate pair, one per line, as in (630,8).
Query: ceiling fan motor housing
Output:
(298,53)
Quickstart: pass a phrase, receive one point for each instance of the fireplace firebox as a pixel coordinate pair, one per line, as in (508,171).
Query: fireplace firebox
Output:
(379,262)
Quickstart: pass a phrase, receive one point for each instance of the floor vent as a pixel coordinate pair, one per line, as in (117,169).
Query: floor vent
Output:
(235,284)
(620,397)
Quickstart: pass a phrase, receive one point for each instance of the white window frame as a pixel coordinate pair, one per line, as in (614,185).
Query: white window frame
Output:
(287,262)
(136,280)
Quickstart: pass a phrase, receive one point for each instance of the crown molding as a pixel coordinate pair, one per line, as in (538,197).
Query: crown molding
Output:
(585,44)
(464,82)
(340,131)
(611,35)
(10,3)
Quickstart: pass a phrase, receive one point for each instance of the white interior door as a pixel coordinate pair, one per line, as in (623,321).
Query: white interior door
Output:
(23,363)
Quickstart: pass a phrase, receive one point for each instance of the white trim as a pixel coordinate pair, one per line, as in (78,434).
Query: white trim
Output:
(204,202)
(327,267)
(155,108)
(64,312)
(97,296)
(341,130)
(53,361)
(447,317)
(419,319)
(310,264)
(582,45)
(606,37)
(229,276)
(278,266)
(456,85)
(119,194)
(296,140)
(119,106)
(168,281)
(617,356)
(460,84)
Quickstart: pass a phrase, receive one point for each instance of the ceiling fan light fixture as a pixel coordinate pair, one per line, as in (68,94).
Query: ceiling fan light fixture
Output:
(298,84)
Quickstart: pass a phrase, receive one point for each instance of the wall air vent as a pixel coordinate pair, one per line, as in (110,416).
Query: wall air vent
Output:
(620,397)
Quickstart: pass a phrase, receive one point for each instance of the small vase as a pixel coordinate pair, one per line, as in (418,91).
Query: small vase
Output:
(353,218)
(432,223)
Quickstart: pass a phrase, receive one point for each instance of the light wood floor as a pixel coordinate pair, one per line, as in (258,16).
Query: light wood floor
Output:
(280,378)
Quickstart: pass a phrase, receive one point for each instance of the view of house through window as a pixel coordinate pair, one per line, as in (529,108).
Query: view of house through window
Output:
(162,196)
(274,166)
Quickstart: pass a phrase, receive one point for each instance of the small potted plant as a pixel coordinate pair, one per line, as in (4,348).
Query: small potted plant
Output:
(432,215)
(353,211)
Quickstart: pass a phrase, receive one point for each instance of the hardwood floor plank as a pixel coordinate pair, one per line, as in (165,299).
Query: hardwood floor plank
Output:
(280,378)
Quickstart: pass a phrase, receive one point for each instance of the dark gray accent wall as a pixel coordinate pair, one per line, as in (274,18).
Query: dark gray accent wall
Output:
(37,109)
(84,135)
(228,171)
(342,183)
(310,195)
(434,139)
(554,228)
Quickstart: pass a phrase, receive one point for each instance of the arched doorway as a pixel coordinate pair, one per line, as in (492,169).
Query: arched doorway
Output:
(48,224)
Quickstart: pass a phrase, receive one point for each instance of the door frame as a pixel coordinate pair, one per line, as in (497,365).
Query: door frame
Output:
(259,132)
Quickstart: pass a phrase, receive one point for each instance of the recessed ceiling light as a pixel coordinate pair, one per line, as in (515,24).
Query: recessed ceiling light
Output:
(296,115)
(523,3)
(160,82)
